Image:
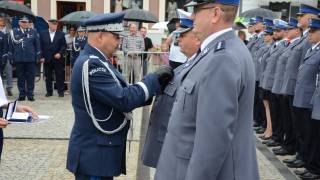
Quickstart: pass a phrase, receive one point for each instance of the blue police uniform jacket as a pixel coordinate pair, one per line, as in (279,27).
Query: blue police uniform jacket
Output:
(24,46)
(3,47)
(77,45)
(90,151)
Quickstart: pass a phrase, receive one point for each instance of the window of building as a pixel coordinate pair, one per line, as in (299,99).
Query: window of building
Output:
(172,6)
(120,5)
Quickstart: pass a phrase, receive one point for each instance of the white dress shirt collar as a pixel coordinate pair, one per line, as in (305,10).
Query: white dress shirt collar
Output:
(315,45)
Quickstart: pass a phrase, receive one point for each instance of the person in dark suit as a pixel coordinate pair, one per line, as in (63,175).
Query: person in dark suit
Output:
(53,47)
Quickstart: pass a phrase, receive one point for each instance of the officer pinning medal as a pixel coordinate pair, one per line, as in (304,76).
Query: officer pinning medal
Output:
(102,101)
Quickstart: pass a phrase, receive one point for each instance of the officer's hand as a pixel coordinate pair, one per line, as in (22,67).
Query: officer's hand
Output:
(164,74)
(21,108)
(57,56)
(42,60)
(3,123)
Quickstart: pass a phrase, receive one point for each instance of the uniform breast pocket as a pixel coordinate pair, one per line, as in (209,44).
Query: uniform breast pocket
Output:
(186,98)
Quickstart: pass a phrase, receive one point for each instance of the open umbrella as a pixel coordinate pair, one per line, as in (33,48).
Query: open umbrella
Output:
(139,15)
(77,17)
(265,13)
(40,24)
(15,9)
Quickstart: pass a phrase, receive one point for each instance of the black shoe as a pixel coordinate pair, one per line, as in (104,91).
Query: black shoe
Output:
(289,160)
(255,124)
(266,138)
(21,98)
(277,149)
(257,128)
(283,152)
(267,141)
(61,95)
(31,98)
(261,131)
(9,92)
(300,172)
(273,144)
(310,176)
(296,164)
(48,94)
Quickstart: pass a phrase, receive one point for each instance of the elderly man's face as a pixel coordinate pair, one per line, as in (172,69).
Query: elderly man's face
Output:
(109,42)
(24,24)
(188,43)
(133,29)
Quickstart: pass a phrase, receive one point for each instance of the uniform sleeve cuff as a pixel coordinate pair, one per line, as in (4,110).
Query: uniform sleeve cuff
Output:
(145,89)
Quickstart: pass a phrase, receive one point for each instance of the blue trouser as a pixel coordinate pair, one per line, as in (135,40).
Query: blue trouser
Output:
(26,72)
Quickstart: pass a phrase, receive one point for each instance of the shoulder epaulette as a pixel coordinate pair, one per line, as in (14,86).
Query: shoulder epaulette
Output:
(219,46)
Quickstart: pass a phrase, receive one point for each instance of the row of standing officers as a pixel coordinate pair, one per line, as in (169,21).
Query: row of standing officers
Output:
(287,65)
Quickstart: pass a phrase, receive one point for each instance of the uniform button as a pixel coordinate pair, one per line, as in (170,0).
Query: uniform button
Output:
(110,142)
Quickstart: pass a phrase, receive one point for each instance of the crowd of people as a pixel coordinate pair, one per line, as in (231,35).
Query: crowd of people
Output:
(25,48)
(286,109)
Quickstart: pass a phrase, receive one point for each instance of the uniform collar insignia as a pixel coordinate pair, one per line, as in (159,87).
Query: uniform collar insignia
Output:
(219,46)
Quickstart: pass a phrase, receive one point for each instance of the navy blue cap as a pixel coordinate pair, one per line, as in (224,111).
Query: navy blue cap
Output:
(185,22)
(269,30)
(293,23)
(109,22)
(279,24)
(225,2)
(268,22)
(258,19)
(306,9)
(24,19)
(314,23)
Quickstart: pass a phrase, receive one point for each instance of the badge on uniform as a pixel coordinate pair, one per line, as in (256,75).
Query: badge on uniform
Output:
(220,45)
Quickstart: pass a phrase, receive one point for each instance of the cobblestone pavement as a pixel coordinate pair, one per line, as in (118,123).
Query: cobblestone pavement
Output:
(42,155)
